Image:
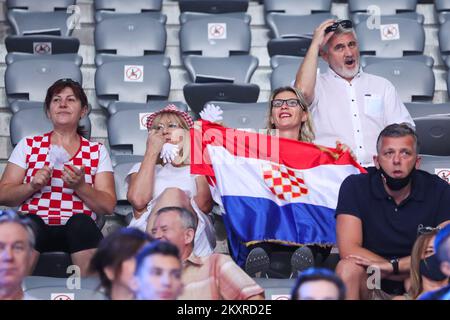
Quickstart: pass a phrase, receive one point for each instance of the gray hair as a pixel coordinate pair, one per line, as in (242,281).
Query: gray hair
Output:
(10,216)
(397,130)
(187,217)
(339,30)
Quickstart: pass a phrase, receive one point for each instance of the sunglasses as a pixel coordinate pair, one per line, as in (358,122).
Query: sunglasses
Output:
(421,230)
(346,24)
(278,103)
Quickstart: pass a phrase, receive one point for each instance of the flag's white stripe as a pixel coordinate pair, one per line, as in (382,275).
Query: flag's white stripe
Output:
(240,176)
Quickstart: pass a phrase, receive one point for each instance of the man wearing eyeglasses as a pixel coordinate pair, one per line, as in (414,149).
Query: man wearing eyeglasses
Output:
(346,103)
(378,215)
(16,243)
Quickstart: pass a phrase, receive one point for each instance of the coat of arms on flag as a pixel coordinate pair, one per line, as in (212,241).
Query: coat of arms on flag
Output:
(285,183)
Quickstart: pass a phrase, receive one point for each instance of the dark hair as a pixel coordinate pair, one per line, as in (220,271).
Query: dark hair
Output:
(156,247)
(78,92)
(315,274)
(442,244)
(113,250)
(187,217)
(396,130)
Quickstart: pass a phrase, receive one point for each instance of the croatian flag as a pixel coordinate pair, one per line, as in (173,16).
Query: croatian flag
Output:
(272,189)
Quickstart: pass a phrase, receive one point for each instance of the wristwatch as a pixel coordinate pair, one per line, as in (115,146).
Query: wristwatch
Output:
(394,263)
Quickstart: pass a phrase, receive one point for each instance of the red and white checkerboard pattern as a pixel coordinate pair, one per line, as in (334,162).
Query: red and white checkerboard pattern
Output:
(285,183)
(56,203)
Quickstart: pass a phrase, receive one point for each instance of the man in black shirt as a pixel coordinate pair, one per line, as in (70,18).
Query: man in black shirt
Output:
(378,214)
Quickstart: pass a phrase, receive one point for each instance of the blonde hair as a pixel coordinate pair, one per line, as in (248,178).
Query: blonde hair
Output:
(306,132)
(418,250)
(185,151)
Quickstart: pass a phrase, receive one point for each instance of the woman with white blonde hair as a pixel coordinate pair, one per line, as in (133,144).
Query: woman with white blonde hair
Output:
(163,178)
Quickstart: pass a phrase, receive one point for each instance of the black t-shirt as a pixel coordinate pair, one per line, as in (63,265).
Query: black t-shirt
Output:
(390,230)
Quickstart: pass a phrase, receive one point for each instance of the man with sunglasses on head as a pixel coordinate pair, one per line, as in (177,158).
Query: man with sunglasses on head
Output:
(346,103)
(378,215)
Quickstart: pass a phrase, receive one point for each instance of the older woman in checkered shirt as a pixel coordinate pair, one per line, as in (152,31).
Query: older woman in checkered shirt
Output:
(61,180)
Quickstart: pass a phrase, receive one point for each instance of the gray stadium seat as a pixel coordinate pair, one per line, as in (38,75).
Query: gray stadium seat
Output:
(20,56)
(128,35)
(41,27)
(29,79)
(213,6)
(33,121)
(297,7)
(444,34)
(400,72)
(121,6)
(398,8)
(251,116)
(285,69)
(62,293)
(40,17)
(215,52)
(130,139)
(187,16)
(53,264)
(32,282)
(215,36)
(41,44)
(294,26)
(116,106)
(123,165)
(297,46)
(43,6)
(406,39)
(417,110)
(442,5)
(137,79)
(238,69)
(276,289)
(387,7)
(439,165)
(434,135)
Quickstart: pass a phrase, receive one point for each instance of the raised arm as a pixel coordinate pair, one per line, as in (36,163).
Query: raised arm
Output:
(306,75)
(13,191)
(141,184)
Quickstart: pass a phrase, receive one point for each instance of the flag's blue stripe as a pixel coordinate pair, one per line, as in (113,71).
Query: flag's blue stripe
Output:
(253,219)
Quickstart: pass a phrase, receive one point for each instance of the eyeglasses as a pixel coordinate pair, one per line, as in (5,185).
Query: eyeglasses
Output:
(346,24)
(421,230)
(278,103)
(162,126)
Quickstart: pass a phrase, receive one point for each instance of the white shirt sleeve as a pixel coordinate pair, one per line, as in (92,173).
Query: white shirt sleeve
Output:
(134,169)
(104,163)
(395,110)
(18,155)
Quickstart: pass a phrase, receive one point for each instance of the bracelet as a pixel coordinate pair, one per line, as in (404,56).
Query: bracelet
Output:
(394,263)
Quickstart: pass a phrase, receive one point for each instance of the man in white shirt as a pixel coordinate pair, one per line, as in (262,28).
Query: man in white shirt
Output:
(347,104)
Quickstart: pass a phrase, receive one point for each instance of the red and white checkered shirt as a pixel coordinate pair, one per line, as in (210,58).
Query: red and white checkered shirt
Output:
(56,203)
